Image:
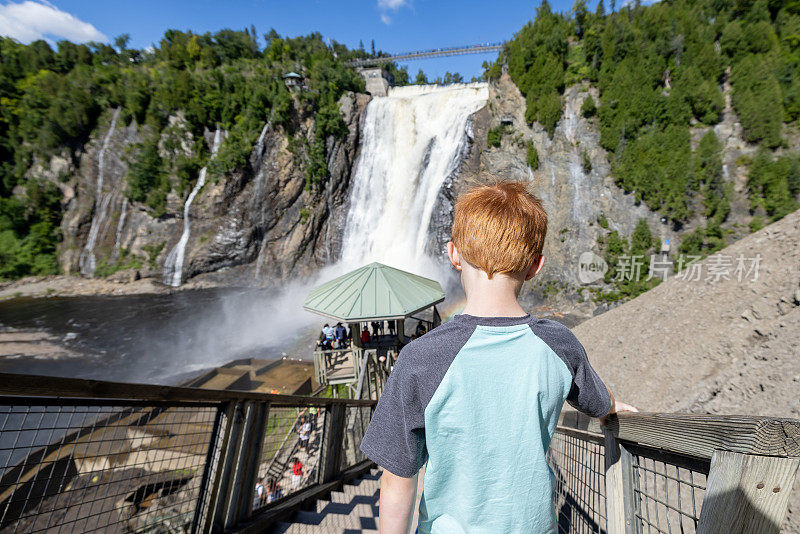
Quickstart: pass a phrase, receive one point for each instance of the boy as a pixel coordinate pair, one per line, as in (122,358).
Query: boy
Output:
(478,398)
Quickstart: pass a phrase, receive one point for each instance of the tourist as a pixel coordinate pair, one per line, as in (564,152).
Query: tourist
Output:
(258,500)
(304,431)
(341,335)
(297,472)
(479,397)
(374,325)
(392,327)
(312,417)
(273,490)
(328,332)
(420,330)
(364,336)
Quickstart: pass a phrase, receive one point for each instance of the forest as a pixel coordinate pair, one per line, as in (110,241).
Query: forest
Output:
(52,101)
(660,71)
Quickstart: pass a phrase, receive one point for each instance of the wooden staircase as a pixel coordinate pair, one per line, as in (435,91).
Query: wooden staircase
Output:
(350,511)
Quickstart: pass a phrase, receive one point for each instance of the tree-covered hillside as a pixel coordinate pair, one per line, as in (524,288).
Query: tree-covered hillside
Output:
(52,100)
(660,71)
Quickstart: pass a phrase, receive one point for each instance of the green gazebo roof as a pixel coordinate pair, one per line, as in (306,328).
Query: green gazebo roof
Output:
(374,292)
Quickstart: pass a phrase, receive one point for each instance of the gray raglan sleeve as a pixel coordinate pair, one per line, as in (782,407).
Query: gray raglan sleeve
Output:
(588,393)
(395,437)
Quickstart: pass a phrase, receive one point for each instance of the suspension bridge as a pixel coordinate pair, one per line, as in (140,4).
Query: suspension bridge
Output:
(483,48)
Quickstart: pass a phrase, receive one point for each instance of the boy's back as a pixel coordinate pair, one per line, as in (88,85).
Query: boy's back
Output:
(478,398)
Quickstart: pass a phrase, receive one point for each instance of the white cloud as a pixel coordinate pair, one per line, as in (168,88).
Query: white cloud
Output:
(394,5)
(29,20)
(386,6)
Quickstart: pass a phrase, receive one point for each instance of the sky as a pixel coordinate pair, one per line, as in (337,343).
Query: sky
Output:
(395,25)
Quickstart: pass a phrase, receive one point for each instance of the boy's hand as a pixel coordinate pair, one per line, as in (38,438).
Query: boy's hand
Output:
(617,407)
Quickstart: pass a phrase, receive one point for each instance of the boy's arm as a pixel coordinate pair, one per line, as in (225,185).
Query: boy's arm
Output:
(397,503)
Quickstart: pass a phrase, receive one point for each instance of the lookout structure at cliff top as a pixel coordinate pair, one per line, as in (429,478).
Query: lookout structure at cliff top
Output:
(372,293)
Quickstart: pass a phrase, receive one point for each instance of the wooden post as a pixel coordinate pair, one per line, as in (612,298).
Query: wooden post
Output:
(330,455)
(619,487)
(221,468)
(746,494)
(244,481)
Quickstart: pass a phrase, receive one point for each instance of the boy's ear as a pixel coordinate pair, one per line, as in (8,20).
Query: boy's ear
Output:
(452,253)
(535,268)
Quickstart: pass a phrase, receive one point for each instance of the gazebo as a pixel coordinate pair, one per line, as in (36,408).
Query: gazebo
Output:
(372,293)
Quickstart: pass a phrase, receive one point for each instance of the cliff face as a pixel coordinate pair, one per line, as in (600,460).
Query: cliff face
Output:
(259,225)
(575,197)
(255,225)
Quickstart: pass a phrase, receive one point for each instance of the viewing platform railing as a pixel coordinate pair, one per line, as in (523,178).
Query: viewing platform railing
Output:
(85,455)
(82,455)
(668,473)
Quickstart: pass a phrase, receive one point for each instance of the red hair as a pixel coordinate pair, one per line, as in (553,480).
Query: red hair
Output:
(499,228)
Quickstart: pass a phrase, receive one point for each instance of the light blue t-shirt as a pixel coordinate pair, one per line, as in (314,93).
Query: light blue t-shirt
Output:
(478,399)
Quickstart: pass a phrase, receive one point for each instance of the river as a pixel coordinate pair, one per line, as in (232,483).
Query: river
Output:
(155,338)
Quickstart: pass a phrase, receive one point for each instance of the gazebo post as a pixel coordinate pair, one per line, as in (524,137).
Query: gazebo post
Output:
(437,319)
(401,330)
(355,333)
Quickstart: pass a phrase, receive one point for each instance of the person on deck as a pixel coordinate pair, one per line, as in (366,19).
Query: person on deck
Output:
(297,473)
(365,336)
(420,331)
(341,335)
(304,431)
(273,490)
(260,496)
(478,398)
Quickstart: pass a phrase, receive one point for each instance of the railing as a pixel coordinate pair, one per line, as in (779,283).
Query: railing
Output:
(673,473)
(83,455)
(423,54)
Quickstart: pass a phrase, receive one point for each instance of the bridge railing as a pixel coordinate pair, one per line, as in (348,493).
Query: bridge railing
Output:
(673,473)
(423,54)
(84,455)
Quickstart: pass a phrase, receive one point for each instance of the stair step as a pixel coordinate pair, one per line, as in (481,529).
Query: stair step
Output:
(299,528)
(363,487)
(355,507)
(335,520)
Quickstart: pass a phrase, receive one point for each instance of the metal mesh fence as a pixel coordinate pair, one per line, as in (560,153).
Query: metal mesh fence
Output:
(356,422)
(290,457)
(116,466)
(578,463)
(667,490)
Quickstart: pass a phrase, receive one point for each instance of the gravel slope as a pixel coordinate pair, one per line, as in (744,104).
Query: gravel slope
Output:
(712,346)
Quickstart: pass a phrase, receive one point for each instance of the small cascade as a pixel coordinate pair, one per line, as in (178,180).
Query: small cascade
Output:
(173,266)
(87,261)
(120,227)
(412,141)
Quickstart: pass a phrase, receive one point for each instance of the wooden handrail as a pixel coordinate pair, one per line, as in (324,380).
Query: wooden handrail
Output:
(698,435)
(49,386)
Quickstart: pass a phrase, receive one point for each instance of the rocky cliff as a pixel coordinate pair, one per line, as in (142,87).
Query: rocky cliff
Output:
(575,196)
(259,224)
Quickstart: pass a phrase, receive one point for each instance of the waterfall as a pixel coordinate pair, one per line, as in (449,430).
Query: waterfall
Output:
(120,227)
(173,266)
(412,141)
(87,261)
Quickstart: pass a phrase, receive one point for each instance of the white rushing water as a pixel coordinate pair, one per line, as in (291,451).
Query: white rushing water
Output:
(87,261)
(412,140)
(173,266)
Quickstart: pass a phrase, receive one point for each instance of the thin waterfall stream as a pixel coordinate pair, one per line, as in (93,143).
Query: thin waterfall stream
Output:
(87,261)
(173,265)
